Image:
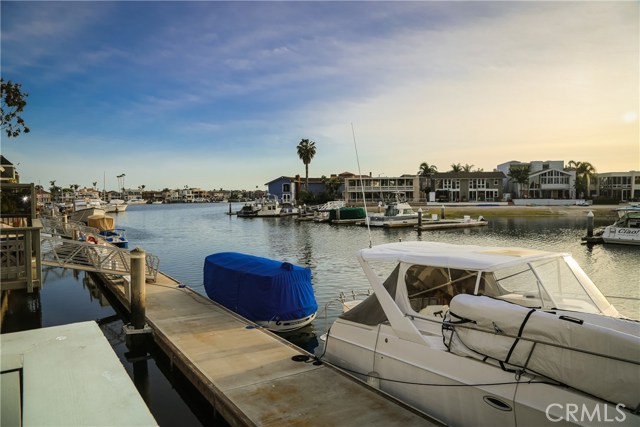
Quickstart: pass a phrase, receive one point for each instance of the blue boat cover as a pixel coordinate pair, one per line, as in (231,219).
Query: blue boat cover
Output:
(259,289)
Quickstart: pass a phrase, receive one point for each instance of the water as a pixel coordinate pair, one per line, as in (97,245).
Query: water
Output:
(182,235)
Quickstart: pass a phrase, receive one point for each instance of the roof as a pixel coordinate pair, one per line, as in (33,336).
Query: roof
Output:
(454,256)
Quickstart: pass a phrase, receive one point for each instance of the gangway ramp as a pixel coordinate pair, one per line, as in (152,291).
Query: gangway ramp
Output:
(60,247)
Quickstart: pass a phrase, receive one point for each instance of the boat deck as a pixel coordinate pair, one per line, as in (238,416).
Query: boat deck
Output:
(249,374)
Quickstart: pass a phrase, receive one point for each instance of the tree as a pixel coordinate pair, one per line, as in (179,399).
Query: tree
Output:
(12,103)
(426,171)
(519,175)
(306,151)
(456,167)
(585,171)
(467,167)
(331,185)
(54,189)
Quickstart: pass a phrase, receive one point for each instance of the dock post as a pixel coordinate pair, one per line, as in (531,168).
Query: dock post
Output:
(590,224)
(419,217)
(442,212)
(337,214)
(138,309)
(230,213)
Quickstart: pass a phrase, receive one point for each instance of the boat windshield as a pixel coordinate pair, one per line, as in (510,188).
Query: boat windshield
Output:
(548,284)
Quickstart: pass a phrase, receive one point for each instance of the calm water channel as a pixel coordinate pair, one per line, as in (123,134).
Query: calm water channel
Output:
(182,235)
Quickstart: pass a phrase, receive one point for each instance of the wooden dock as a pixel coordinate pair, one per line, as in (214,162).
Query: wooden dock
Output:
(444,224)
(249,375)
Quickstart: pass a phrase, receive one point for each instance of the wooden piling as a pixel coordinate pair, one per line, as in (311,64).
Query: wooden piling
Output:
(590,221)
(419,217)
(138,310)
(442,212)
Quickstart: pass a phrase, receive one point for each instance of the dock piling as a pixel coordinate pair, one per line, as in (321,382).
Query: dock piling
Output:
(590,221)
(442,212)
(138,288)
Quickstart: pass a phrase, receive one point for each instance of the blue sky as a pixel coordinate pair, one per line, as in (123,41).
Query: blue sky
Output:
(218,94)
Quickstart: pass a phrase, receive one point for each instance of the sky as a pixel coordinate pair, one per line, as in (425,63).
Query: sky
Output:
(216,94)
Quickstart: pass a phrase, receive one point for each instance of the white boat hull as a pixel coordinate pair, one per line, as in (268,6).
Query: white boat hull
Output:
(621,235)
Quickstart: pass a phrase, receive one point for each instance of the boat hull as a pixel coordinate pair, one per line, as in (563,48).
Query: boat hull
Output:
(455,389)
(621,235)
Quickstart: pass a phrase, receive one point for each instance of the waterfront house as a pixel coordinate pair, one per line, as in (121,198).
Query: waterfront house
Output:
(381,188)
(547,180)
(468,186)
(619,185)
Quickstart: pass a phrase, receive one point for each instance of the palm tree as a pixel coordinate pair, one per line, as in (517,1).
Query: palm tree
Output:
(467,167)
(306,151)
(456,167)
(585,171)
(520,175)
(426,171)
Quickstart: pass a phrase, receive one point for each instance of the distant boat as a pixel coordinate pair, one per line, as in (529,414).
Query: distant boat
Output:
(249,210)
(115,206)
(269,207)
(398,213)
(276,295)
(136,202)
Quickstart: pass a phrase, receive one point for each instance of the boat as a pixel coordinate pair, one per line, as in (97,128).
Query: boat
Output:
(347,215)
(136,202)
(273,294)
(475,335)
(115,236)
(115,206)
(248,210)
(83,215)
(396,214)
(626,229)
(269,207)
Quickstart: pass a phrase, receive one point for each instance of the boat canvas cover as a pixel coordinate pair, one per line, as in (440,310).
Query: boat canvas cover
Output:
(259,289)
(603,362)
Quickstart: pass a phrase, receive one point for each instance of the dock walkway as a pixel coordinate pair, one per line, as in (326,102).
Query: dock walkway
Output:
(249,375)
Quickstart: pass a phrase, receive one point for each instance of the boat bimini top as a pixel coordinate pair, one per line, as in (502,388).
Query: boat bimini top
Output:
(431,273)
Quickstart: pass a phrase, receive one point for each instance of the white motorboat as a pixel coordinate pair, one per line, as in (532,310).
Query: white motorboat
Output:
(396,214)
(478,336)
(136,202)
(626,229)
(115,205)
(269,207)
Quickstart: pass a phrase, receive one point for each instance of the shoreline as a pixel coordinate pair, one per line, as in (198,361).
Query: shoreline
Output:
(454,211)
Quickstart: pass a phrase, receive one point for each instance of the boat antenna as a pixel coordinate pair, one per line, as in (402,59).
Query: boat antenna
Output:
(364,198)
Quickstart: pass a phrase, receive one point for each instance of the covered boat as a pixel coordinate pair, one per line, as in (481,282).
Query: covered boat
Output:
(276,295)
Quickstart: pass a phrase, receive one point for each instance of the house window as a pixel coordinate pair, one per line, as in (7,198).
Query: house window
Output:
(286,188)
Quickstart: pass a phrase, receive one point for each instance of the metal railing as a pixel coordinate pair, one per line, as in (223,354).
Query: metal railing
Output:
(20,260)
(67,244)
